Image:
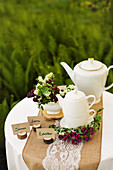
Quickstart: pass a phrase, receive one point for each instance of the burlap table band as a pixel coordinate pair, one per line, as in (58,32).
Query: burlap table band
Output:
(35,150)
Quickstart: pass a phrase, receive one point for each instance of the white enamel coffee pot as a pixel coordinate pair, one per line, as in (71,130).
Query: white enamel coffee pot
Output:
(76,109)
(89,76)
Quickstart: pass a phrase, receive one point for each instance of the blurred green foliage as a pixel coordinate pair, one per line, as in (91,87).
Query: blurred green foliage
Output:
(35,36)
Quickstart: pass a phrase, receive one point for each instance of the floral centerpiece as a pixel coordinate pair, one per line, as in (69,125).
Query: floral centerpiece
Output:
(46,90)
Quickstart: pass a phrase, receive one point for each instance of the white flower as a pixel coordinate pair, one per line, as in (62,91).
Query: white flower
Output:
(61,133)
(36,91)
(38,86)
(65,90)
(40,98)
(62,93)
(47,94)
(48,76)
(40,79)
(71,86)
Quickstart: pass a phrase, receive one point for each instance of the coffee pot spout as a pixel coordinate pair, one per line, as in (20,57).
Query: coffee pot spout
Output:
(69,71)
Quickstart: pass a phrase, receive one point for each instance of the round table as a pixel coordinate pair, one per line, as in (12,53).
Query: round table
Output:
(27,107)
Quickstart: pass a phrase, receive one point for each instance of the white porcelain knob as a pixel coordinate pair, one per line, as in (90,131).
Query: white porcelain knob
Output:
(91,60)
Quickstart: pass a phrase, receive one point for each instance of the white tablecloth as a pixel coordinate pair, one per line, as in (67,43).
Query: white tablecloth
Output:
(27,107)
(14,146)
(106,162)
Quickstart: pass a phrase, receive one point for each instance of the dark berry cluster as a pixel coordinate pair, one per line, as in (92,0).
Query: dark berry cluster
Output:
(36,99)
(50,82)
(56,90)
(76,137)
(31,93)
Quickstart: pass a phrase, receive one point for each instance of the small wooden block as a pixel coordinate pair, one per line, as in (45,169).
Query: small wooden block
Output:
(52,116)
(48,140)
(36,127)
(22,135)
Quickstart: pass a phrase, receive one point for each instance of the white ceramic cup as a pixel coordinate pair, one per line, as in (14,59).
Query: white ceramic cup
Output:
(78,113)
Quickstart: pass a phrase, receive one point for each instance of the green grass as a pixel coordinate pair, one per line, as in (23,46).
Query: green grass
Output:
(35,36)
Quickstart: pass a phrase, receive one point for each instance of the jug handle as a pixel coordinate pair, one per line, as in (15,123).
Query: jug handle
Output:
(87,97)
(106,88)
(91,116)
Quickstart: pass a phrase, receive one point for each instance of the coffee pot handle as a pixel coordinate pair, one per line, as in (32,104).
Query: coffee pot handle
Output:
(90,118)
(106,88)
(91,96)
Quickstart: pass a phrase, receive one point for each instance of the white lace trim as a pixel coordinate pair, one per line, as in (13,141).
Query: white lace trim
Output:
(62,156)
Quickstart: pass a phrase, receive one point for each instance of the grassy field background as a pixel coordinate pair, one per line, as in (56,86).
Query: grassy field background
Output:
(36,35)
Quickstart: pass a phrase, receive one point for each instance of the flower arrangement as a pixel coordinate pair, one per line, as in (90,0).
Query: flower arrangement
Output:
(82,133)
(46,90)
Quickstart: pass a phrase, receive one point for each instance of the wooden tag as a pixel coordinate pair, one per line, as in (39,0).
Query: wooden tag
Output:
(45,133)
(20,127)
(35,120)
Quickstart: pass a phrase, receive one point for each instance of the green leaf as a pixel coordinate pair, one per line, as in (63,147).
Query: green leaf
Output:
(19,78)
(45,90)
(29,65)
(39,87)
(39,93)
(52,45)
(4,109)
(79,131)
(13,104)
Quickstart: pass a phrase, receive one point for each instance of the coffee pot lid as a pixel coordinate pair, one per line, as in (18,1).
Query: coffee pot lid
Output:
(74,95)
(91,65)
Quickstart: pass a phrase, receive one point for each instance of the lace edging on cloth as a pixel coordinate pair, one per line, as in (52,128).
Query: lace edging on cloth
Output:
(62,156)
